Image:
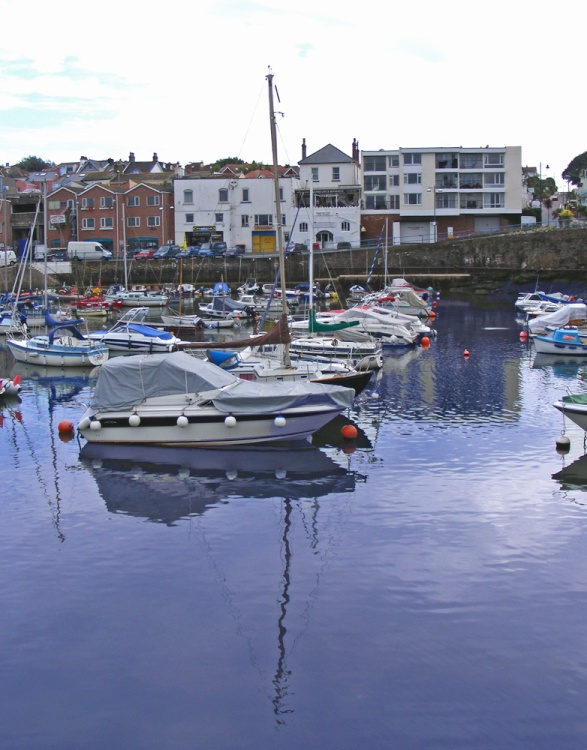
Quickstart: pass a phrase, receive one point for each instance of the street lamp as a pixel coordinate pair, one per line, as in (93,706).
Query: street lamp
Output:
(434,190)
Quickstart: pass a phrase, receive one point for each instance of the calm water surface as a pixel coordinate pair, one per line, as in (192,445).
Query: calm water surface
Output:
(427,589)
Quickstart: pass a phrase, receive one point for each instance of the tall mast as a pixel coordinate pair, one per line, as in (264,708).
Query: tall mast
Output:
(277,205)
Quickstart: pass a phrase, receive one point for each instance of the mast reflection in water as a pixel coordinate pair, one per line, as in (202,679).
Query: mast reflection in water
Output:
(421,586)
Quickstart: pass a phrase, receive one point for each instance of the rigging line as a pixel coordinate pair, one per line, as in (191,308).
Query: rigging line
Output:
(374,258)
(261,92)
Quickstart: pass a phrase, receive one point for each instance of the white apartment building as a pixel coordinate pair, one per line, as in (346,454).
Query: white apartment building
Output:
(428,193)
(236,210)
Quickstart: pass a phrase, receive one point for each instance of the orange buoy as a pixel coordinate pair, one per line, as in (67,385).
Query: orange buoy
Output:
(425,342)
(349,431)
(65,426)
(523,335)
(432,315)
(466,353)
(435,304)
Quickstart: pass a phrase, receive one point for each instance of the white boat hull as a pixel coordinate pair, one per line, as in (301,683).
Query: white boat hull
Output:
(577,413)
(59,354)
(205,426)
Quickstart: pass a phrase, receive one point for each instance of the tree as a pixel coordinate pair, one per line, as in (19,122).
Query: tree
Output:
(34,164)
(575,168)
(543,188)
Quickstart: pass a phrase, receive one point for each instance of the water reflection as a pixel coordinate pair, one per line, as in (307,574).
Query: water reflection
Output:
(165,485)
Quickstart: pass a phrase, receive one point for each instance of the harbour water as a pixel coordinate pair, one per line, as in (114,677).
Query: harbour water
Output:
(424,586)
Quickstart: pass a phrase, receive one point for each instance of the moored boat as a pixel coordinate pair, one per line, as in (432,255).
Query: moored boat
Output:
(130,334)
(64,346)
(177,399)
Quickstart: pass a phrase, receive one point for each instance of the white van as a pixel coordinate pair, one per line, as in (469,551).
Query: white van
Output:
(88,250)
(7,258)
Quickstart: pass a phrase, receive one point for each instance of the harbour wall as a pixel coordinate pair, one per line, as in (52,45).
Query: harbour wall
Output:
(489,263)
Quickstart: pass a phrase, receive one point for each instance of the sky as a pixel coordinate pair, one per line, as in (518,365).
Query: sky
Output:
(188,80)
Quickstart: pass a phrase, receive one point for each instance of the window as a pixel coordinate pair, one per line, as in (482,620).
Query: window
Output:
(413,178)
(188,196)
(413,199)
(345,226)
(470,161)
(245,198)
(219,218)
(283,220)
(88,224)
(53,205)
(412,158)
(315,175)
(189,218)
(106,201)
(375,182)
(153,221)
(107,223)
(394,161)
(493,160)
(335,174)
(133,221)
(133,201)
(303,227)
(280,194)
(153,200)
(394,180)
(244,221)
(376,202)
(223,195)
(264,220)
(87,203)
(375,164)
(493,200)
(492,179)
(394,201)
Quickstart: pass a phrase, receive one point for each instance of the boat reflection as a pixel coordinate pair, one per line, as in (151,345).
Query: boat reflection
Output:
(165,485)
(573,476)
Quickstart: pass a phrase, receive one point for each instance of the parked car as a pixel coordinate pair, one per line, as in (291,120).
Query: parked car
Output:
(190,252)
(219,248)
(145,255)
(205,250)
(233,251)
(133,252)
(166,251)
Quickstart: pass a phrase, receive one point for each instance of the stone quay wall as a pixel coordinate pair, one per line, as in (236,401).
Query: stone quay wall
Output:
(487,262)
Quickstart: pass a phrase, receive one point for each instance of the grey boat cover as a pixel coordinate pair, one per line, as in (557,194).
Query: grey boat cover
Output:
(573,313)
(123,382)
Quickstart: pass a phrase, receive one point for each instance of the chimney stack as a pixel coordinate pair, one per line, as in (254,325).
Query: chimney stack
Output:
(155,157)
(355,149)
(131,156)
(304,148)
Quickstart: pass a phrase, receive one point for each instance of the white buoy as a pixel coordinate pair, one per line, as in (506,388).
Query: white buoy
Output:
(230,421)
(280,473)
(563,444)
(95,424)
(279,421)
(182,421)
(231,474)
(134,420)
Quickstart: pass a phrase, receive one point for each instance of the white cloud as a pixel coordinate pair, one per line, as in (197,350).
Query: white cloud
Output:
(189,81)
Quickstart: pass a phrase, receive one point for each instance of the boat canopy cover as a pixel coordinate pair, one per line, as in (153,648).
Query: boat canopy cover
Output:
(123,382)
(574,313)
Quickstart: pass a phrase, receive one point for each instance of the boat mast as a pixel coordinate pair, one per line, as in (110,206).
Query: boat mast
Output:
(277,206)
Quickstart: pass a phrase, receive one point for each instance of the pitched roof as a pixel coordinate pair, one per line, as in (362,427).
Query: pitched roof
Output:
(327,155)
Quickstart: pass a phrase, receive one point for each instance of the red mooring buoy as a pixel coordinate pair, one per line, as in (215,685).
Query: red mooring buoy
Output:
(466,353)
(349,431)
(65,426)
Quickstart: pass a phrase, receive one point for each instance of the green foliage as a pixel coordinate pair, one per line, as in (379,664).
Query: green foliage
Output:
(219,163)
(543,188)
(34,163)
(573,171)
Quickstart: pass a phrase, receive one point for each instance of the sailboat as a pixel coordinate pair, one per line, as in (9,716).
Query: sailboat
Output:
(180,319)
